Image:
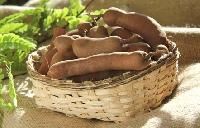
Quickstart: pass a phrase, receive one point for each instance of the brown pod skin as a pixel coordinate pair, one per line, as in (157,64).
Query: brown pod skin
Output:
(84,27)
(140,46)
(46,60)
(133,39)
(101,62)
(85,46)
(63,43)
(137,23)
(81,30)
(57,31)
(121,32)
(61,57)
(98,32)
(74,32)
(160,51)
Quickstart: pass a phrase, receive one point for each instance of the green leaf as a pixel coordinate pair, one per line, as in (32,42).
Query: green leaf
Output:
(13,41)
(11,90)
(56,17)
(15,48)
(11,103)
(75,7)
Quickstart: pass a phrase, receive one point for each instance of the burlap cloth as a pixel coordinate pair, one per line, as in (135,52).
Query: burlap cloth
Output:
(181,110)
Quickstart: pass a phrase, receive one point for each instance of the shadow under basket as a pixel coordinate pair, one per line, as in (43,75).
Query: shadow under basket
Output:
(112,99)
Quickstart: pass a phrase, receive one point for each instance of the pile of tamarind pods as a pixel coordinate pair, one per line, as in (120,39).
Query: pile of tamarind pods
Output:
(93,48)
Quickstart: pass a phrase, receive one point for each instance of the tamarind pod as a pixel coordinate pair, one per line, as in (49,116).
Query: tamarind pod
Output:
(121,32)
(101,62)
(84,27)
(61,57)
(63,43)
(133,39)
(147,27)
(160,51)
(46,60)
(139,46)
(98,32)
(74,32)
(85,46)
(57,31)
(81,30)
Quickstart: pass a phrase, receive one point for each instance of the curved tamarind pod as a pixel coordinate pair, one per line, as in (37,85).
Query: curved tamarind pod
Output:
(147,27)
(46,60)
(85,46)
(101,62)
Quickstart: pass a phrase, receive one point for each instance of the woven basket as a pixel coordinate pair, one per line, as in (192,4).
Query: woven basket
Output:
(111,99)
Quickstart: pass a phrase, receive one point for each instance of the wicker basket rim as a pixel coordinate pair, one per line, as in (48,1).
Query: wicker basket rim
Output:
(168,60)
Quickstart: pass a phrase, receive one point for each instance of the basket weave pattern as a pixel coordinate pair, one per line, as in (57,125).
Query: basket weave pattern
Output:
(113,100)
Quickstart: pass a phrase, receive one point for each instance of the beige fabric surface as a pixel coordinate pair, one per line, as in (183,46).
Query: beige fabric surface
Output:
(182,110)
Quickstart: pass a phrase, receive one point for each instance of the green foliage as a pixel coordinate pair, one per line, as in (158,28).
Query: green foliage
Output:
(11,101)
(66,17)
(75,7)
(13,52)
(43,3)
(37,23)
(22,29)
(22,24)
(15,48)
(11,88)
(55,17)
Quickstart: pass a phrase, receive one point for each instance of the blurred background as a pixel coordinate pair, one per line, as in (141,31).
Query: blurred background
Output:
(167,12)
(14,2)
(180,13)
